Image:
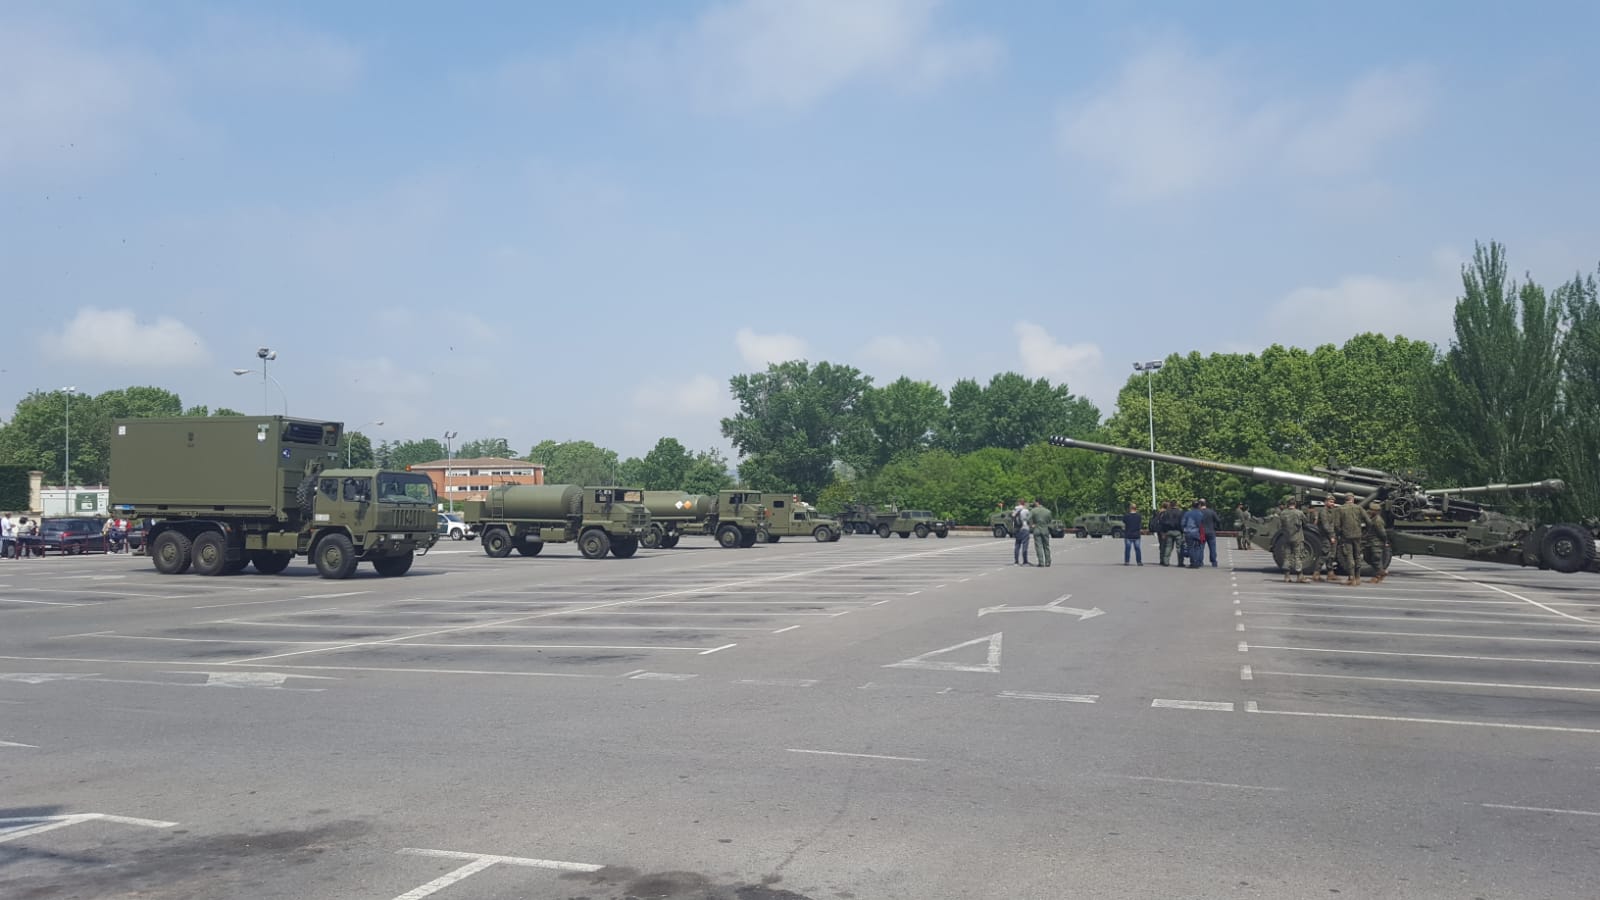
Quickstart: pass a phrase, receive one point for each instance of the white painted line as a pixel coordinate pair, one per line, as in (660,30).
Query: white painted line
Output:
(634,672)
(1062,698)
(882,602)
(1424,634)
(859,755)
(1246,673)
(1541,621)
(557,864)
(1244,647)
(395,669)
(147,637)
(282,600)
(913,593)
(51,823)
(447,879)
(661,676)
(1553,662)
(1208,705)
(1440,682)
(1221,784)
(1238,626)
(778,682)
(1491,587)
(533,647)
(1541,809)
(715,649)
(922,661)
(1419,721)
(788,628)
(39,602)
(1238,612)
(15,744)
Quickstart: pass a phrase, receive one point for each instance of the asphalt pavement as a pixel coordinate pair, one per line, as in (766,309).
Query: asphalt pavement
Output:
(865,719)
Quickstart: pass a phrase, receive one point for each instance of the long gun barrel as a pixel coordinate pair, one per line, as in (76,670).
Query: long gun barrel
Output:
(1271,476)
(1548,486)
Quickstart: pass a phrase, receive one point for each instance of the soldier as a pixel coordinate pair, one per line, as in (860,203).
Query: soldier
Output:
(1376,543)
(1293,523)
(1040,517)
(1320,517)
(1241,517)
(1350,521)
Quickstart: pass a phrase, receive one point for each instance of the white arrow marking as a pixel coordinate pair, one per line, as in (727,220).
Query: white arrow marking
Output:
(922,662)
(251,679)
(42,677)
(1054,606)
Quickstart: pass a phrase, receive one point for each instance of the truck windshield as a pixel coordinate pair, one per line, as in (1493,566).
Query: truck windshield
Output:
(405,487)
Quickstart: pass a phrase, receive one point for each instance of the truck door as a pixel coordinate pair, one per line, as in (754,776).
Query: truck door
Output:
(355,504)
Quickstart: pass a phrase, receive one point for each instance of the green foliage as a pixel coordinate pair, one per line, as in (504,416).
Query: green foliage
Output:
(790,423)
(498,448)
(399,454)
(575,462)
(707,474)
(355,450)
(901,417)
(37,435)
(1013,412)
(664,467)
(14,488)
(1578,448)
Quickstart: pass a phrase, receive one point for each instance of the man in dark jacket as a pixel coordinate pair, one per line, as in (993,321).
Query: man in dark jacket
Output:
(1193,535)
(1209,524)
(1132,532)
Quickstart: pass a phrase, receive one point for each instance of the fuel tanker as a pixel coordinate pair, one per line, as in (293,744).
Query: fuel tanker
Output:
(737,518)
(525,517)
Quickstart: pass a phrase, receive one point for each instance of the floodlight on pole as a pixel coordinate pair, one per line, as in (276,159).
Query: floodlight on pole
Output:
(265,354)
(66,465)
(1149,370)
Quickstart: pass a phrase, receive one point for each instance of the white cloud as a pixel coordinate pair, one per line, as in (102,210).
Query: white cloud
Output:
(700,396)
(1420,308)
(760,350)
(761,54)
(1045,357)
(1172,121)
(901,355)
(113,337)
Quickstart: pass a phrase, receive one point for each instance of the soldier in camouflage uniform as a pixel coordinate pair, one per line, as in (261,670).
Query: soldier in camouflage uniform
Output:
(1376,544)
(1350,522)
(1293,523)
(1040,517)
(1242,518)
(1315,513)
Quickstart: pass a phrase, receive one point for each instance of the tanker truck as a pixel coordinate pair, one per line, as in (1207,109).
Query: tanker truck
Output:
(736,518)
(525,517)
(236,491)
(1420,521)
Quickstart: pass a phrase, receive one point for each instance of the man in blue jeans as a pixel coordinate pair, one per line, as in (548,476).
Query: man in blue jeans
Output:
(1132,529)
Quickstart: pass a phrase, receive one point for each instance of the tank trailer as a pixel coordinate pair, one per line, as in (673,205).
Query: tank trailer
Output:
(1420,521)
(234,491)
(525,517)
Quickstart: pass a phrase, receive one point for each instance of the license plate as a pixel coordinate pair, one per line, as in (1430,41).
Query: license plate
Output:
(397,537)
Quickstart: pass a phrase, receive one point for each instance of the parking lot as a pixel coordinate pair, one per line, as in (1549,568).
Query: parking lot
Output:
(871,718)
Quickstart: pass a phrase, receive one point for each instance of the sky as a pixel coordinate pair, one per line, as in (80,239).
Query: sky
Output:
(540,220)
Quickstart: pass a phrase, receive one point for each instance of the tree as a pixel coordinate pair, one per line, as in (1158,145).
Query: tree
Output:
(1578,449)
(409,453)
(1013,412)
(356,448)
(498,448)
(664,467)
(901,417)
(37,434)
(575,462)
(790,421)
(707,474)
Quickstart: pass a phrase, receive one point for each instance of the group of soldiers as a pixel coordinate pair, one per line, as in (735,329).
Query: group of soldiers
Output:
(1352,535)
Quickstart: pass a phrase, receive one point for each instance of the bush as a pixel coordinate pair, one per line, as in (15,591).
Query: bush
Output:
(14,488)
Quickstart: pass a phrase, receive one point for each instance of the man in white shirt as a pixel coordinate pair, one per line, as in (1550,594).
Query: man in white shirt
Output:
(8,531)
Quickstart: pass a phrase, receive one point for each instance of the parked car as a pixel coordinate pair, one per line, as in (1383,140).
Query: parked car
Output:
(454,527)
(137,529)
(71,535)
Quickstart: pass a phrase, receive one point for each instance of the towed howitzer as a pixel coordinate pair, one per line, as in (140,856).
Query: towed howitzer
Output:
(1420,521)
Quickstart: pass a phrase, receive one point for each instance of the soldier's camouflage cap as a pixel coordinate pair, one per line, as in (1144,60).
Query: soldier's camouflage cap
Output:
(1375,505)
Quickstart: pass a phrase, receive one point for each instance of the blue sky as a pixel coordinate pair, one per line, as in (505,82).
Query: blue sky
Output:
(561,220)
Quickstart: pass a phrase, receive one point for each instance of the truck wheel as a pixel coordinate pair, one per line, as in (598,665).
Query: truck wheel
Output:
(497,543)
(594,544)
(270,562)
(235,566)
(170,553)
(530,548)
(904,534)
(670,541)
(304,493)
(943,533)
(1000,531)
(392,566)
(883,531)
(1116,533)
(210,553)
(1567,548)
(622,548)
(729,536)
(653,536)
(922,531)
(1080,532)
(823,534)
(836,536)
(747,539)
(335,557)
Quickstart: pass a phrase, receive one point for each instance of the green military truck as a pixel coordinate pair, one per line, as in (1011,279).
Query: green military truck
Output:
(920,522)
(1002,526)
(236,491)
(1097,525)
(525,517)
(864,518)
(789,516)
(734,517)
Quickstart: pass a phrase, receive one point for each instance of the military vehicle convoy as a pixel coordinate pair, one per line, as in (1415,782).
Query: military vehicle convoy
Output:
(1420,521)
(920,522)
(525,517)
(236,491)
(789,516)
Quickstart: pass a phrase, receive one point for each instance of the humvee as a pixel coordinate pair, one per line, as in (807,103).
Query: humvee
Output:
(920,522)
(1097,525)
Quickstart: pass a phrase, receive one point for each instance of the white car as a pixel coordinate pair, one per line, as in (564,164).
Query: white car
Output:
(454,527)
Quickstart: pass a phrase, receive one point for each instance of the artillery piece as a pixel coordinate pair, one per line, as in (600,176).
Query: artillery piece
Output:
(1421,521)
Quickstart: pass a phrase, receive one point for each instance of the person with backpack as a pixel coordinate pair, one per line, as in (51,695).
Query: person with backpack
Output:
(1193,534)
(1024,534)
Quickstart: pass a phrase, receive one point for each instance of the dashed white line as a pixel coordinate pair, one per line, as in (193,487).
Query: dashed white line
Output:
(778,682)
(1252,707)
(1061,698)
(1221,784)
(858,755)
(1424,634)
(662,676)
(789,628)
(1436,681)
(1553,662)
(1207,705)
(715,649)
(1541,809)
(1246,673)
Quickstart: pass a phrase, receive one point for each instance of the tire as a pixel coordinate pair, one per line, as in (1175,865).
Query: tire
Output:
(921,531)
(457,534)
(883,531)
(170,553)
(497,543)
(747,539)
(729,536)
(622,548)
(823,534)
(1080,532)
(670,541)
(1000,531)
(594,544)
(335,556)
(210,553)
(653,536)
(942,533)
(270,562)
(530,548)
(904,534)
(1116,534)
(835,536)
(1567,548)
(305,493)
(235,566)
(394,566)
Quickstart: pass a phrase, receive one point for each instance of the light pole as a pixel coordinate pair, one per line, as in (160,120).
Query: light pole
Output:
(66,465)
(449,460)
(266,353)
(348,441)
(1149,370)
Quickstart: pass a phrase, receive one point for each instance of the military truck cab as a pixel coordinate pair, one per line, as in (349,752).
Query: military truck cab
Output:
(739,517)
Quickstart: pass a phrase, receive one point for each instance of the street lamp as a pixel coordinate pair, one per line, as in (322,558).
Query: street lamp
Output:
(348,441)
(266,353)
(66,465)
(449,460)
(1149,369)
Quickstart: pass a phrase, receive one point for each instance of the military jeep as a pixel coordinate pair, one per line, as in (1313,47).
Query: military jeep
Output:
(1003,527)
(1097,525)
(920,522)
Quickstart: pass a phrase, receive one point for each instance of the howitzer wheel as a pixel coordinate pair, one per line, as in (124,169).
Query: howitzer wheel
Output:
(1310,549)
(1567,548)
